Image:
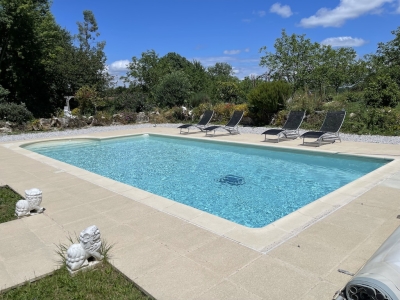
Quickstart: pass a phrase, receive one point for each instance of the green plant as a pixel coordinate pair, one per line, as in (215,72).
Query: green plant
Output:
(198,99)
(267,98)
(223,111)
(8,199)
(383,91)
(17,113)
(87,98)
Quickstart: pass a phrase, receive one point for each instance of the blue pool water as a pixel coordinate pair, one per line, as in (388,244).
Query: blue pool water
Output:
(252,186)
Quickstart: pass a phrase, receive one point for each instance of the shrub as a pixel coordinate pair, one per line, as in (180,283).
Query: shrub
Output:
(228,92)
(381,92)
(199,110)
(243,107)
(13,112)
(223,111)
(267,98)
(199,98)
(88,99)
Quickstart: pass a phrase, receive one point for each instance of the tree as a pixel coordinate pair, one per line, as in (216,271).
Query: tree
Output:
(39,64)
(142,72)
(221,72)
(387,56)
(173,90)
(293,61)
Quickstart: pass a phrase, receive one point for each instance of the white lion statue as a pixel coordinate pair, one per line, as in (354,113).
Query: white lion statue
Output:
(32,201)
(89,246)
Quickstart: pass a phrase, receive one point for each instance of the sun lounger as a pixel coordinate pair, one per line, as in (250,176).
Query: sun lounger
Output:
(231,127)
(205,119)
(291,128)
(329,131)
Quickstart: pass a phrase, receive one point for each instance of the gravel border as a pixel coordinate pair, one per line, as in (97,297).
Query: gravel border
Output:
(254,130)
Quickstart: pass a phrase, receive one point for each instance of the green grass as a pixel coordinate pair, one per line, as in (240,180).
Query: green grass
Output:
(8,199)
(103,282)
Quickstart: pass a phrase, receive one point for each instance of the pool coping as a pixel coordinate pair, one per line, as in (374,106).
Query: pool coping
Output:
(262,239)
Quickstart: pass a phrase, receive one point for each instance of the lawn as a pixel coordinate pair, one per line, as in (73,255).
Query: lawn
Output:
(103,282)
(8,199)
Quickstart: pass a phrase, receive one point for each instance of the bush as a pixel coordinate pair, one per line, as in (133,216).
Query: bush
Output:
(15,113)
(223,111)
(173,90)
(199,98)
(267,98)
(381,92)
(87,98)
(228,92)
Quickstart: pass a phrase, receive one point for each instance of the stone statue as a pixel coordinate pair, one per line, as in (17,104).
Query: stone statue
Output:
(89,246)
(33,199)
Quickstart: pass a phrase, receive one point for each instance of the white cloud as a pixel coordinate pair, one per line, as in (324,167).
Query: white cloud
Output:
(260,13)
(284,11)
(232,52)
(347,9)
(343,41)
(119,66)
(246,20)
(247,50)
(398,8)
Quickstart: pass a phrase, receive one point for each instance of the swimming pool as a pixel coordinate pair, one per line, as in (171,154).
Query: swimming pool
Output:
(252,186)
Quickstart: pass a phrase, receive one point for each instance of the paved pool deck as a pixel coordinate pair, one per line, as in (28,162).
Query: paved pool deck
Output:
(173,251)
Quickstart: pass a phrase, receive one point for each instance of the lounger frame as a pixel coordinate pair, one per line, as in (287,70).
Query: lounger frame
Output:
(329,133)
(291,128)
(203,122)
(232,126)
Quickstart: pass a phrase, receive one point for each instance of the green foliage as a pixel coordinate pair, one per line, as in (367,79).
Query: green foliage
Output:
(173,90)
(228,92)
(383,91)
(17,113)
(267,98)
(223,111)
(293,60)
(39,64)
(3,94)
(199,98)
(8,199)
(87,97)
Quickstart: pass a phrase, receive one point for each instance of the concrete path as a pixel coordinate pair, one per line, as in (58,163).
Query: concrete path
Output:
(173,251)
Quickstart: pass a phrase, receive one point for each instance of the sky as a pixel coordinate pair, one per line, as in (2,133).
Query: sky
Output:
(231,31)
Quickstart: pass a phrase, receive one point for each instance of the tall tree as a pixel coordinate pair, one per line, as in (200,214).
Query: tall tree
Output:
(293,60)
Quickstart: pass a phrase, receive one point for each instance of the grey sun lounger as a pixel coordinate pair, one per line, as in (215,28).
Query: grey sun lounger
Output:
(205,119)
(232,126)
(329,131)
(290,129)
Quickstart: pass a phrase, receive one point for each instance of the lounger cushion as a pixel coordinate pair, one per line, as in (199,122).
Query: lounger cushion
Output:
(212,127)
(273,131)
(313,134)
(186,125)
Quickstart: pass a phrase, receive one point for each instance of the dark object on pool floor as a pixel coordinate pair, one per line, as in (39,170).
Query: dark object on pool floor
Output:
(232,180)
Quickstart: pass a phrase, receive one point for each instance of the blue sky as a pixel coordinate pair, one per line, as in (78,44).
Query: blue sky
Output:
(229,31)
